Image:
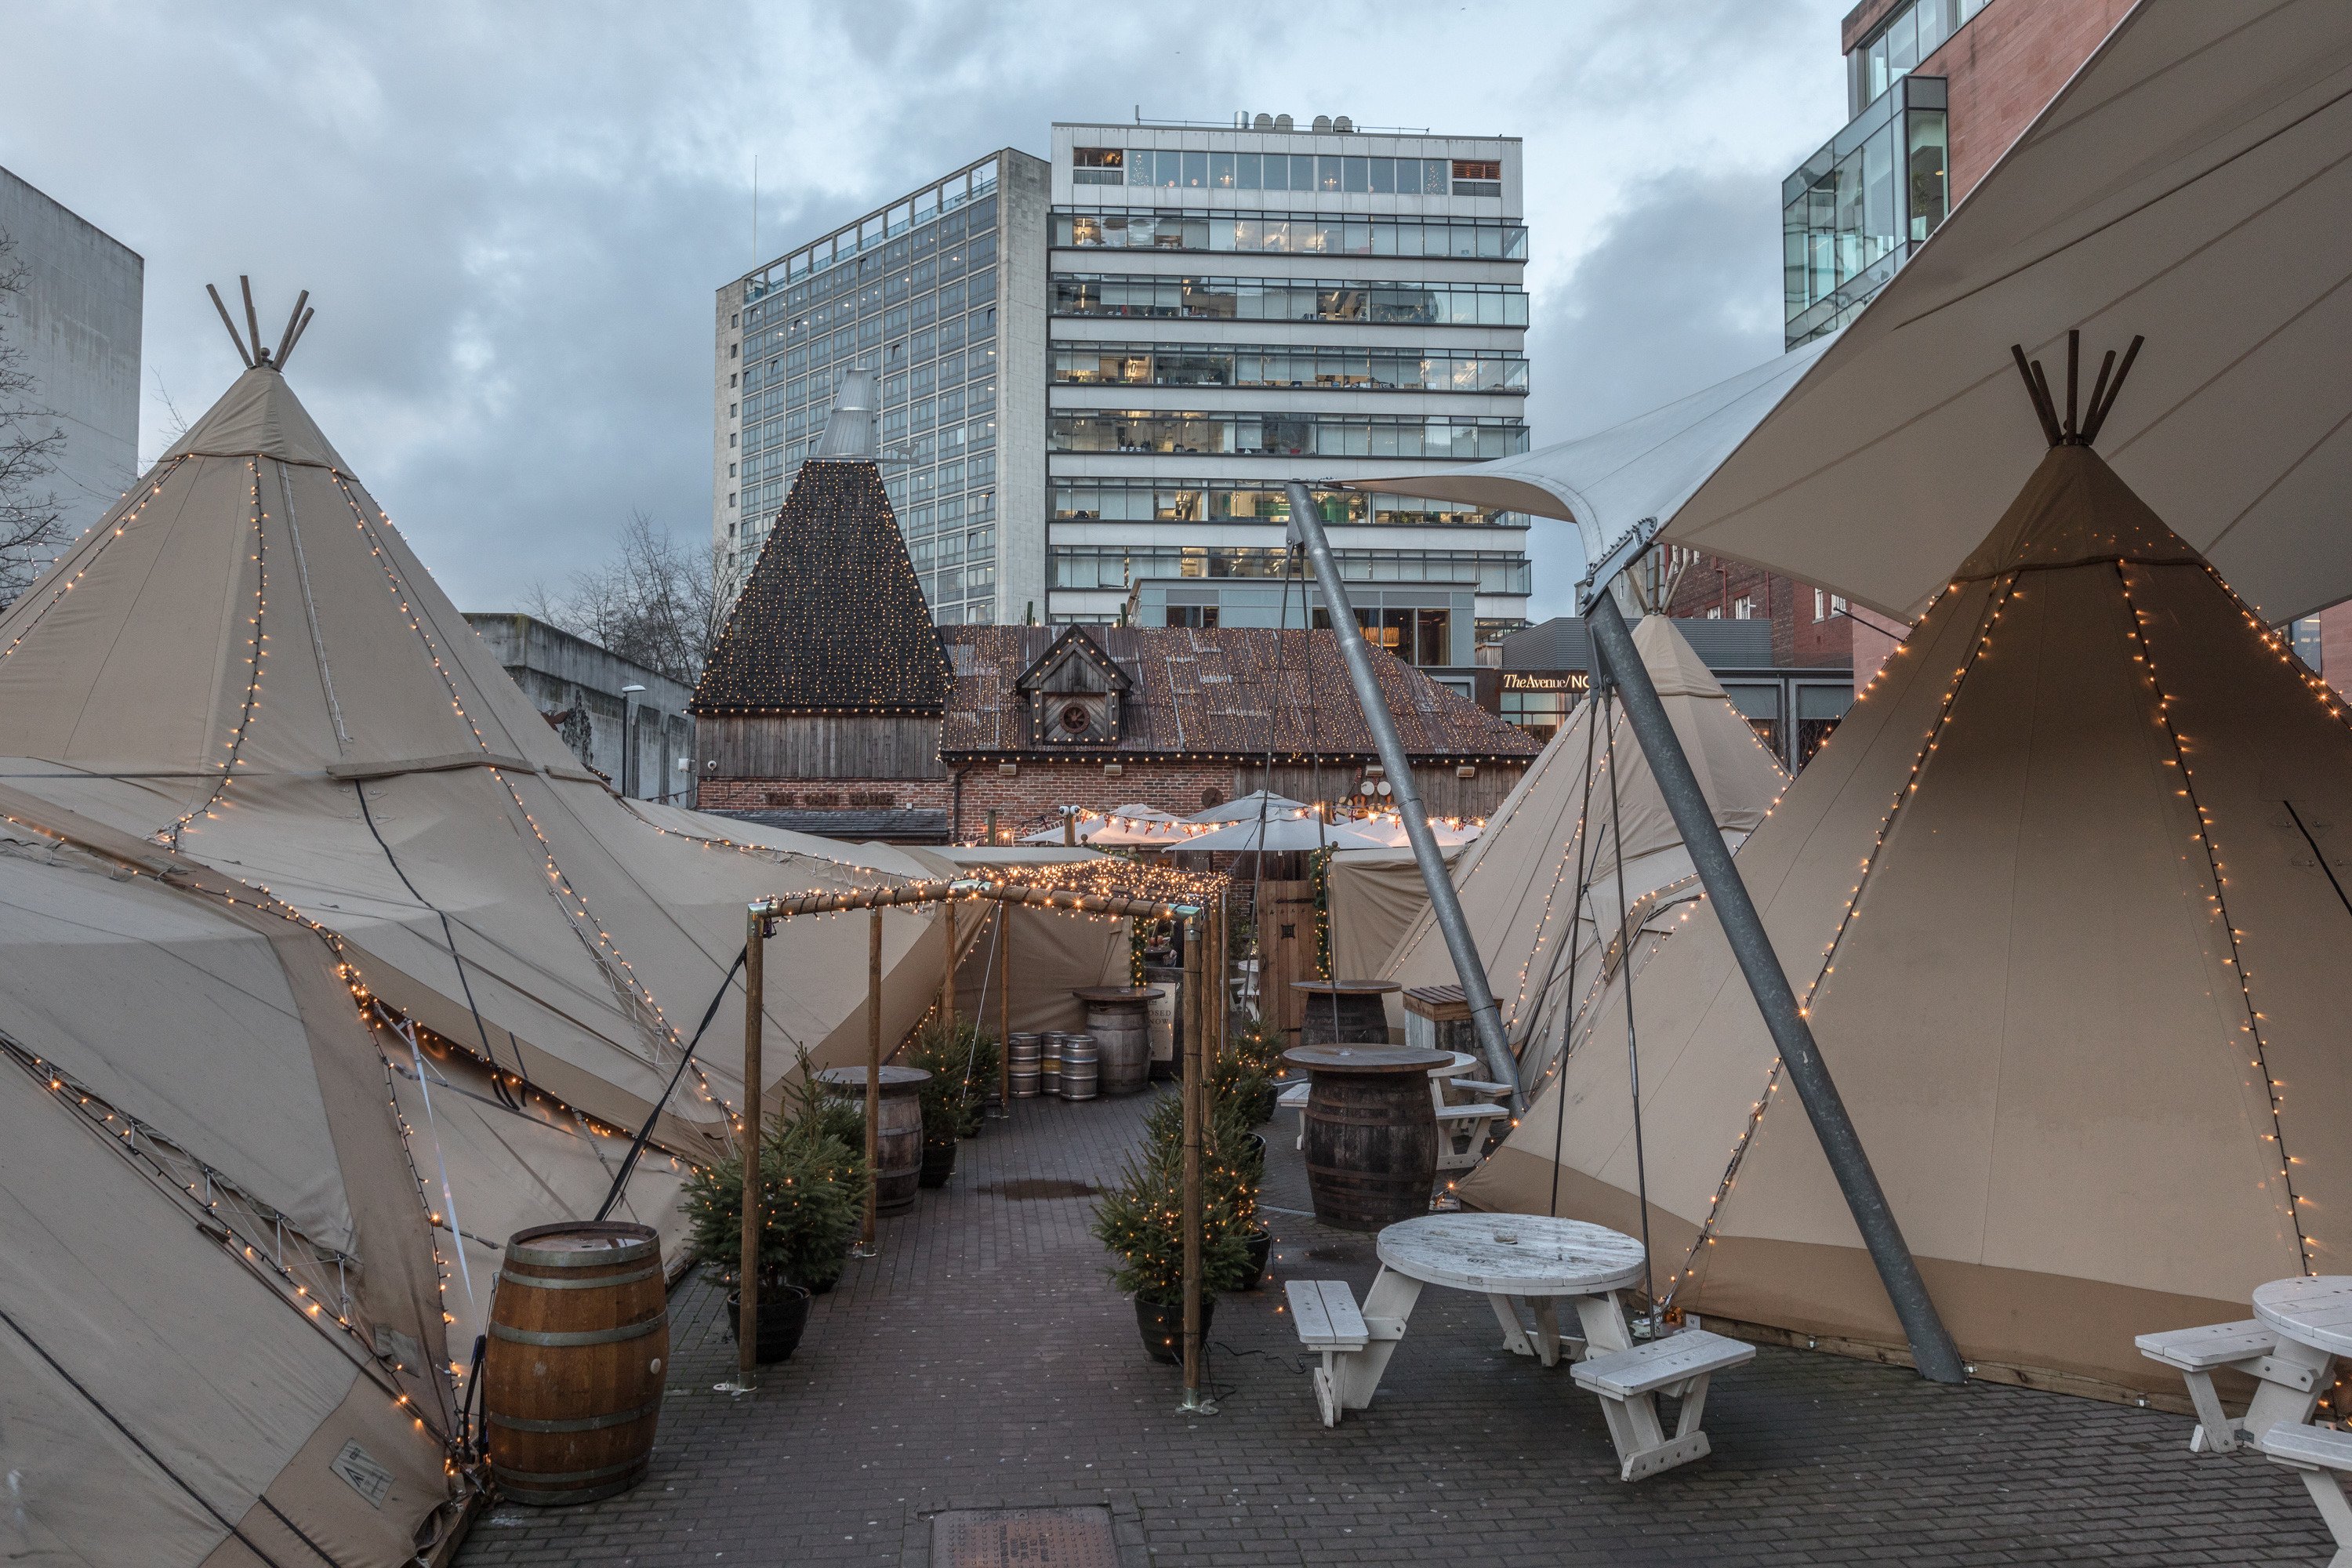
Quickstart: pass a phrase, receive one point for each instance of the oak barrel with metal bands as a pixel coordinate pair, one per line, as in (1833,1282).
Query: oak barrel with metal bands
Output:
(571,1378)
(1371,1134)
(1122,1036)
(1080,1065)
(1022,1057)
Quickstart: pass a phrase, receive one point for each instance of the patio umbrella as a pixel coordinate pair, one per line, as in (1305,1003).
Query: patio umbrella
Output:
(1285,835)
(1246,808)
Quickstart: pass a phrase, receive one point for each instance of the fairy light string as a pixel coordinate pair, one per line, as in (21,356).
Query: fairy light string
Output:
(104,533)
(1995,603)
(2136,621)
(235,745)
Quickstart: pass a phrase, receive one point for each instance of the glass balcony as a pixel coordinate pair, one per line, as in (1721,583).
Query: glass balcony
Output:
(1854,212)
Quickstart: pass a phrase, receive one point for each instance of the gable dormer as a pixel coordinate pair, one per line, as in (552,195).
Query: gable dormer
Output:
(1074,694)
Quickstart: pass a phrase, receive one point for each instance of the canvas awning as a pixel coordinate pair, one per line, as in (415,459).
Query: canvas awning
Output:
(2193,183)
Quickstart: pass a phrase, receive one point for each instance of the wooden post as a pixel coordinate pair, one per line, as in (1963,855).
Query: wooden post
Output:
(947,969)
(1069,825)
(1196,1101)
(747,1326)
(1004,1007)
(873,1072)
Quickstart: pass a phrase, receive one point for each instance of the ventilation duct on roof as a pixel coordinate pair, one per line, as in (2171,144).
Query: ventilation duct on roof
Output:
(849,430)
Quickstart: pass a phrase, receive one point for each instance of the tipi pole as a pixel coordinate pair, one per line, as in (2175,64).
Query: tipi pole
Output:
(947,971)
(1307,525)
(747,1325)
(866,1247)
(1195,1095)
(1004,1010)
(1937,1358)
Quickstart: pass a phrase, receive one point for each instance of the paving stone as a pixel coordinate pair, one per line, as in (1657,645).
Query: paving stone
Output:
(983,1361)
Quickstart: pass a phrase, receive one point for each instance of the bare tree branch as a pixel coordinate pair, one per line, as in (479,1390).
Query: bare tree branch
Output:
(32,525)
(653,602)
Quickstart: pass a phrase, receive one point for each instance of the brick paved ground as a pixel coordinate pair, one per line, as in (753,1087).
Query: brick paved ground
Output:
(982,1360)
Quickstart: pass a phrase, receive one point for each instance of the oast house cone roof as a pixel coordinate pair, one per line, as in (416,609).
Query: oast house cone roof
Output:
(2058,898)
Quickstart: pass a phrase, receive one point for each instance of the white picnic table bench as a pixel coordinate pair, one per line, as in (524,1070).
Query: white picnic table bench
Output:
(1511,1259)
(2289,1347)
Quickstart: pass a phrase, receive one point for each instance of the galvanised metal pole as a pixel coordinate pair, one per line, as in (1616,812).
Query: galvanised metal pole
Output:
(1932,1349)
(1307,525)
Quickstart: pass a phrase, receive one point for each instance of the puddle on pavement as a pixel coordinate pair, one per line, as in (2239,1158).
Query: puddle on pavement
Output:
(1029,1187)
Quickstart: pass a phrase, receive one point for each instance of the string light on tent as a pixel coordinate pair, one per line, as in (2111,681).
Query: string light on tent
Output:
(1995,602)
(2137,621)
(235,745)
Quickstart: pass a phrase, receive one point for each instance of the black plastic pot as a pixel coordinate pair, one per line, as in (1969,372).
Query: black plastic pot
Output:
(1260,1243)
(938,1164)
(1162,1325)
(783,1312)
(1263,1108)
(1258,1152)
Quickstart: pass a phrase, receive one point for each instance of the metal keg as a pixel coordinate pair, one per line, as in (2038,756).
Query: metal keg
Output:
(1022,1056)
(1080,1061)
(1049,1066)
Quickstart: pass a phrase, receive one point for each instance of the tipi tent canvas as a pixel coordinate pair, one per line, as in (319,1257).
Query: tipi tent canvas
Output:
(274,808)
(2064,899)
(1554,837)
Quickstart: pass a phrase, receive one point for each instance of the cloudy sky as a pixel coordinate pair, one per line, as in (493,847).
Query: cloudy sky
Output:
(511,217)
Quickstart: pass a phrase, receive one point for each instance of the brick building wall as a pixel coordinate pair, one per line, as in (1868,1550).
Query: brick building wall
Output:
(1714,587)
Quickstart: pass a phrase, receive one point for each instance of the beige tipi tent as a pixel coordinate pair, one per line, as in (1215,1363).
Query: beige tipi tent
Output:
(2065,898)
(1519,882)
(245,667)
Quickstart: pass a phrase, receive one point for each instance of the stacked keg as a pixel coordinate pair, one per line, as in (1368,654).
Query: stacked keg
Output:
(1049,1079)
(1080,1066)
(1022,1055)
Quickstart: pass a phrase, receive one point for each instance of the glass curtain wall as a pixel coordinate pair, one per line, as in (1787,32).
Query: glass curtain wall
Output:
(1857,209)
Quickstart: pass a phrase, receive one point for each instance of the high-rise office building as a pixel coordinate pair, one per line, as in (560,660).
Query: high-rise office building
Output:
(1098,371)
(942,293)
(1235,307)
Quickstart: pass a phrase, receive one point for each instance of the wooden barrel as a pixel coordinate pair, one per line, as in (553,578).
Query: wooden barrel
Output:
(1049,1065)
(898,1142)
(1123,1045)
(1080,1062)
(572,1379)
(1022,1055)
(1371,1132)
(1343,1012)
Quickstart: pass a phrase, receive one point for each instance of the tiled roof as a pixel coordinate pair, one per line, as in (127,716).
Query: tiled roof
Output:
(832,618)
(1216,692)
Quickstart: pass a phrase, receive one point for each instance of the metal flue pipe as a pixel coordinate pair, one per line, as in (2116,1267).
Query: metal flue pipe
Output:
(1307,526)
(1937,1358)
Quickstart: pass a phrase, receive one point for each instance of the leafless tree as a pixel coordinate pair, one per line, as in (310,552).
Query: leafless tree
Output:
(32,524)
(655,601)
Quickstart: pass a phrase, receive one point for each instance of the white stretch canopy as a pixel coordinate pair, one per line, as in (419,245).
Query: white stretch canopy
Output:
(1284,835)
(2193,183)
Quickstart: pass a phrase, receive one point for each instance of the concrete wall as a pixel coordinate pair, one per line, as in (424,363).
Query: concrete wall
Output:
(78,321)
(576,685)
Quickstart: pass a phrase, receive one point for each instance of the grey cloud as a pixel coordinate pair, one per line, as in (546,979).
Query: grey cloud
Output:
(512,219)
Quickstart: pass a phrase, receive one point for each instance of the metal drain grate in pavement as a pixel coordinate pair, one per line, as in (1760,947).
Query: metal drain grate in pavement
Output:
(1023,1538)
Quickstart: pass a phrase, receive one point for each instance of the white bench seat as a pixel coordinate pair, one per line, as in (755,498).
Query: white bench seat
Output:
(1328,1320)
(2287,1377)
(1629,1381)
(1479,1088)
(1463,1132)
(2318,1454)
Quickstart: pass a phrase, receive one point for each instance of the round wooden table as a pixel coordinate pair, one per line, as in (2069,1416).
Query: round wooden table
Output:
(1344,1012)
(1117,1017)
(2310,1310)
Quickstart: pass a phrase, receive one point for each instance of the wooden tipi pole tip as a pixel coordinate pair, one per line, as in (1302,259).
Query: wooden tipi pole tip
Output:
(242,352)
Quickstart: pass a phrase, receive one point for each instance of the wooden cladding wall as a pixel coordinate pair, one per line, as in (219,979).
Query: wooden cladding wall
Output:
(819,747)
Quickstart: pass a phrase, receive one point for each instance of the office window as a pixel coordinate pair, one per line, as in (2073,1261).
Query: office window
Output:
(1477,177)
(1744,607)
(1196,171)
(1221,170)
(1246,175)
(1098,165)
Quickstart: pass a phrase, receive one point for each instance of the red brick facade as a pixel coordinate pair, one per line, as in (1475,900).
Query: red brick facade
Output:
(1709,587)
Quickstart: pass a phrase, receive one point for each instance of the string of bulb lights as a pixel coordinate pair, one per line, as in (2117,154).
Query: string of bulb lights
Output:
(104,532)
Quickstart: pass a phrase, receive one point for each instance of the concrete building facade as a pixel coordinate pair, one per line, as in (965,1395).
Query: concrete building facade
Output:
(941,292)
(77,318)
(1235,307)
(641,741)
